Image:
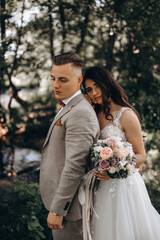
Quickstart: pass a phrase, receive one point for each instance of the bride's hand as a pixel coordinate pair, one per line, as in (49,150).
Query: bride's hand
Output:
(102,175)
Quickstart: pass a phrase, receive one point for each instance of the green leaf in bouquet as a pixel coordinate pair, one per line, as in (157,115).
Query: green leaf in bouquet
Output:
(95,159)
(113,175)
(111,160)
(104,145)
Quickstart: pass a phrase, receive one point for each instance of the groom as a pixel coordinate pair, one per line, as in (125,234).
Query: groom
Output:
(66,149)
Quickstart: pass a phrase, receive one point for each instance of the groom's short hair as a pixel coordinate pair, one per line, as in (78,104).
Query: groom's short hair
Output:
(68,57)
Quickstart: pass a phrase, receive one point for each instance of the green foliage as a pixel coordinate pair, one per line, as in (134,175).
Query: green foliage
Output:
(154,194)
(120,35)
(152,140)
(22,215)
(38,128)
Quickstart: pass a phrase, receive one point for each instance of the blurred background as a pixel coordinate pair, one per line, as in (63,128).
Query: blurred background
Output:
(121,35)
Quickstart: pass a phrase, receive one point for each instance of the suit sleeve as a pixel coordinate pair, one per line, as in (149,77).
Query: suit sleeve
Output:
(81,131)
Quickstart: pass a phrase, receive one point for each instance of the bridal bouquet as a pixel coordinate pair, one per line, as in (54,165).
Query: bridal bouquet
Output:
(114,156)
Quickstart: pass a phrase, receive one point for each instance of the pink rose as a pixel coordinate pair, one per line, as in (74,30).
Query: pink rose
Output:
(111,143)
(129,160)
(106,153)
(116,162)
(122,152)
(104,165)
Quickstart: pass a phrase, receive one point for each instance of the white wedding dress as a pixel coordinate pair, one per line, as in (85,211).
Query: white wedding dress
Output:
(123,206)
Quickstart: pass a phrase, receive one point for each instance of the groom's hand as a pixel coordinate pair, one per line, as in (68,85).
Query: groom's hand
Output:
(54,222)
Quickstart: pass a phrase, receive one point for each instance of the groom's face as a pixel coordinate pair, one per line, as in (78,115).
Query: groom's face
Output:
(66,80)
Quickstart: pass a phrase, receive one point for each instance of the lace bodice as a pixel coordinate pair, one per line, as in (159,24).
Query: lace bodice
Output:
(114,128)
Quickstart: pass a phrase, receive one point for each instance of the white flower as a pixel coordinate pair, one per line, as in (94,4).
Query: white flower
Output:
(129,148)
(100,141)
(112,169)
(130,168)
(98,149)
(123,163)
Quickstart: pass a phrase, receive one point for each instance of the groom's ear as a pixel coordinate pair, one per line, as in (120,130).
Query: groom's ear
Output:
(80,79)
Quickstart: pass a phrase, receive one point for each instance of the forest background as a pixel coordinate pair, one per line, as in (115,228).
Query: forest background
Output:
(121,35)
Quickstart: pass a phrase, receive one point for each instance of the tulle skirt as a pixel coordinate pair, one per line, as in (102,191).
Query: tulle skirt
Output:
(125,211)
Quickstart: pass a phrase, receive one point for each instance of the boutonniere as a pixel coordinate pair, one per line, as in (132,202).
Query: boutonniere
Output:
(58,123)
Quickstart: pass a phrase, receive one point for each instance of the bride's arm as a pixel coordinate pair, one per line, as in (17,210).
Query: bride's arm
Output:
(132,128)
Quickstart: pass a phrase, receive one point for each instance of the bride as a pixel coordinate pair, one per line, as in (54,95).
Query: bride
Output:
(123,206)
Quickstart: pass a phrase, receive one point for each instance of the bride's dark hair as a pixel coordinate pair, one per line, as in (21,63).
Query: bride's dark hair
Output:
(110,89)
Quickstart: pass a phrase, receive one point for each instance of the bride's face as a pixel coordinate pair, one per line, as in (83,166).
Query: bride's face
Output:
(94,91)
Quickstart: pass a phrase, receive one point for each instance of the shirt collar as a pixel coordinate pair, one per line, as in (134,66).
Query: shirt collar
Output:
(67,100)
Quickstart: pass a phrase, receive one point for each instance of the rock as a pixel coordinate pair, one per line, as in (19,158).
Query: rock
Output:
(26,158)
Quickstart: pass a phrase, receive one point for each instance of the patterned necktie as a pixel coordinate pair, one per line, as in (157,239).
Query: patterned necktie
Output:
(61,103)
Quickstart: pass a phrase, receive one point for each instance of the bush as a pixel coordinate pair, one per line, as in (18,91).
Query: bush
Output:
(22,214)
(154,194)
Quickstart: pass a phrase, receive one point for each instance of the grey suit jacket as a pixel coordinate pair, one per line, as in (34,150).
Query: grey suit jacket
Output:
(65,157)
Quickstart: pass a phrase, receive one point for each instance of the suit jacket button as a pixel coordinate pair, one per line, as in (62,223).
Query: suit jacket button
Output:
(66,206)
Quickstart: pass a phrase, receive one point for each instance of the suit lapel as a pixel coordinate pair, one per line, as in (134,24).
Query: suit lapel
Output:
(65,110)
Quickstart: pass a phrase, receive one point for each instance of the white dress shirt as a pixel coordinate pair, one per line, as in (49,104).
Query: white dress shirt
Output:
(67,100)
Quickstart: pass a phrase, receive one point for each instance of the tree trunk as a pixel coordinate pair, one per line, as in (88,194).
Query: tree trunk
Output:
(109,55)
(2,39)
(12,87)
(84,28)
(112,38)
(62,20)
(50,28)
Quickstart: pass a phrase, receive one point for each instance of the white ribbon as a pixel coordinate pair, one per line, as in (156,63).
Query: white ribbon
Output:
(85,197)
